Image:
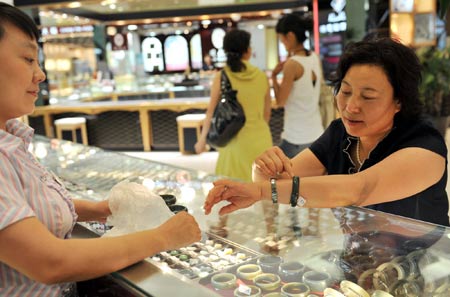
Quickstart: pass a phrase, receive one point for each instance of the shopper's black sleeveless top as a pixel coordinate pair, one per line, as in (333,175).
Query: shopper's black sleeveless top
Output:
(431,205)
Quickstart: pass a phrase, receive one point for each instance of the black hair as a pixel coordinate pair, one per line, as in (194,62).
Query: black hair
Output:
(295,24)
(235,44)
(14,16)
(399,62)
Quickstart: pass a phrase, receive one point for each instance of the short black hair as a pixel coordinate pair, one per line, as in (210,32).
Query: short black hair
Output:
(16,17)
(399,62)
(295,24)
(235,44)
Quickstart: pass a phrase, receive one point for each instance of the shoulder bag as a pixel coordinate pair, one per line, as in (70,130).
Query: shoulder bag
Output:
(228,117)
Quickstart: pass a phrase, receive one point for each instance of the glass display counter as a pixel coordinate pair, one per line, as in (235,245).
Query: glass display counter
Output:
(264,250)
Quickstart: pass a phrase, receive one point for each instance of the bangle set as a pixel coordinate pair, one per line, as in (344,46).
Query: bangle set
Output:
(296,199)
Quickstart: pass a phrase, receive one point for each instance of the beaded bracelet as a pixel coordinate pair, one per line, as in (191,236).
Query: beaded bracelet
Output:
(273,187)
(294,192)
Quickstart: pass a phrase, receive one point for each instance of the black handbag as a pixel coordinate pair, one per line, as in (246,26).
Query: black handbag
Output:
(228,117)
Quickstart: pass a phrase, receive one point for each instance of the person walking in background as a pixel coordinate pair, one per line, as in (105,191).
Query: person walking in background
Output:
(236,158)
(299,90)
(37,213)
(208,64)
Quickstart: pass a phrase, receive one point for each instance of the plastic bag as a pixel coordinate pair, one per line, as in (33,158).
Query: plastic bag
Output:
(135,208)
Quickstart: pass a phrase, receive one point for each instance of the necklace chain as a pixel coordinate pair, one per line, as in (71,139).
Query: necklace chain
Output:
(358,158)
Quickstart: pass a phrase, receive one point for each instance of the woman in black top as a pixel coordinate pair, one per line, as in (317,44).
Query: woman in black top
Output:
(381,153)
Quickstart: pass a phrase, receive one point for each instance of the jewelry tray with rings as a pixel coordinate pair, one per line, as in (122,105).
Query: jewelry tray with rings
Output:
(200,259)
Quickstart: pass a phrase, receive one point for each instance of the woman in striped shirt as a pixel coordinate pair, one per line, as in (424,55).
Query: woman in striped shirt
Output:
(37,214)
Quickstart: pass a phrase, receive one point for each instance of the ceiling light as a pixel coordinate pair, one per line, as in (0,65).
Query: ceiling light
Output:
(235,17)
(75,4)
(111,31)
(132,27)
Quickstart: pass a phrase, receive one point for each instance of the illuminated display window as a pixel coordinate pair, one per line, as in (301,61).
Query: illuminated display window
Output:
(413,22)
(196,51)
(176,53)
(152,54)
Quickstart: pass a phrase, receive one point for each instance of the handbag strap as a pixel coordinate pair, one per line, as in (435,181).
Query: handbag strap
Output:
(225,84)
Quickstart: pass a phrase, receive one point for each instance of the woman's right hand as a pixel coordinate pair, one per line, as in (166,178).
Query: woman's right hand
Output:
(180,230)
(273,163)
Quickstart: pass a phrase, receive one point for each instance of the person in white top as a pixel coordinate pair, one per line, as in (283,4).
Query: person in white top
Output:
(299,90)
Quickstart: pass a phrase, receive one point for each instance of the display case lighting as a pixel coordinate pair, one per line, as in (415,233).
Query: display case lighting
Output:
(74,4)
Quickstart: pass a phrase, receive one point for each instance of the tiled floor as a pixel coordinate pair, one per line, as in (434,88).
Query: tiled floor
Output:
(205,161)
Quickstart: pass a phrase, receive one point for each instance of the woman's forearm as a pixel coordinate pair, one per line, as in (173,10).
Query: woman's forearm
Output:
(92,258)
(90,210)
(322,191)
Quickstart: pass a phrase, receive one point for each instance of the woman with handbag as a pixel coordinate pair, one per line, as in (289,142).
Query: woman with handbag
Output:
(236,157)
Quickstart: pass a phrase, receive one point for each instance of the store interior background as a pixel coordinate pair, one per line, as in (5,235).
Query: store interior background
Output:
(95,47)
(91,48)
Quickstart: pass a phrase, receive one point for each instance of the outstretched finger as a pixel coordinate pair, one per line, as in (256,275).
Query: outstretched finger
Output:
(228,209)
(214,197)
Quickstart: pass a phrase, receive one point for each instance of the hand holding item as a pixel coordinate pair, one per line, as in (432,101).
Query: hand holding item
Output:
(272,163)
(179,231)
(238,194)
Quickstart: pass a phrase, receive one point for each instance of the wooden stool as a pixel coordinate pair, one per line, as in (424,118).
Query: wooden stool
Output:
(72,124)
(189,129)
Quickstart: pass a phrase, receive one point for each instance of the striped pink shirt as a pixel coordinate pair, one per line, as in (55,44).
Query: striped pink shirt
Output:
(27,189)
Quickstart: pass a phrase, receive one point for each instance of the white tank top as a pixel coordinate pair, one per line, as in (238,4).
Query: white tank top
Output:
(302,119)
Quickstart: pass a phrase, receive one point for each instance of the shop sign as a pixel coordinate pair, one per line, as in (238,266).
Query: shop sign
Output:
(66,30)
(336,20)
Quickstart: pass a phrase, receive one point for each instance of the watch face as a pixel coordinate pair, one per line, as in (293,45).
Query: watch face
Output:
(403,5)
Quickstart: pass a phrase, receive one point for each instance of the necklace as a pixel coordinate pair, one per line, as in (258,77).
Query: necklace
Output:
(299,50)
(358,158)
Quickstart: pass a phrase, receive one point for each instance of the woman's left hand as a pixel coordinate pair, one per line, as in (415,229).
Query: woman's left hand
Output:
(238,194)
(277,69)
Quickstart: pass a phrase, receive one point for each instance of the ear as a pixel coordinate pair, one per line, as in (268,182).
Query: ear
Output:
(398,105)
(290,35)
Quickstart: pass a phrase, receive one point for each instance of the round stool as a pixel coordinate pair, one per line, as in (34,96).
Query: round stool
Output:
(72,124)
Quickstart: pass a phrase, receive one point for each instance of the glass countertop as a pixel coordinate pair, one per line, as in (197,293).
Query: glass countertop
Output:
(265,248)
